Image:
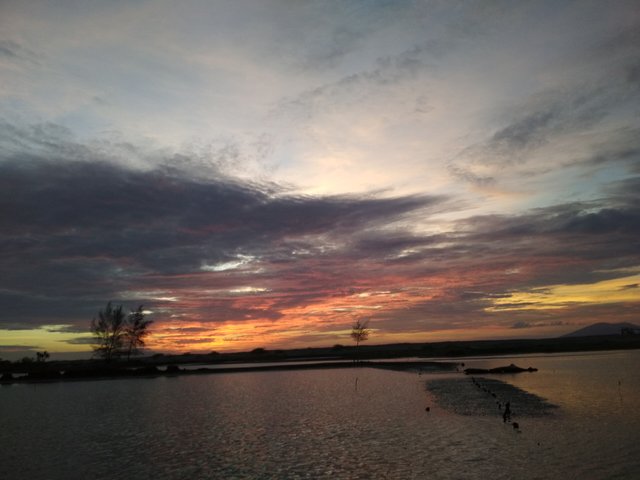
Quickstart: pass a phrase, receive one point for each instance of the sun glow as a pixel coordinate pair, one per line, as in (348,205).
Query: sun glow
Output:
(619,290)
(52,338)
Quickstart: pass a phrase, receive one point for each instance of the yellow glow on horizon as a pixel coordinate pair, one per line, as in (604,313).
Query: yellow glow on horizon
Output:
(48,337)
(326,320)
(618,290)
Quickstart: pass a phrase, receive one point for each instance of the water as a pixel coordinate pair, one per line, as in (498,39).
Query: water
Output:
(317,424)
(487,396)
(196,366)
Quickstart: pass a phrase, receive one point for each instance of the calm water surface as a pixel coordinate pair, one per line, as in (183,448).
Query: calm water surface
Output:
(321,424)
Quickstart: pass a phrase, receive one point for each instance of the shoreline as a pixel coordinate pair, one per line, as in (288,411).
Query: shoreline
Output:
(53,376)
(437,357)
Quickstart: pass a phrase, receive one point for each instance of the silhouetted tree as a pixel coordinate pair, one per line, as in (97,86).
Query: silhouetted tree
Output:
(109,332)
(360,333)
(117,333)
(135,331)
(42,357)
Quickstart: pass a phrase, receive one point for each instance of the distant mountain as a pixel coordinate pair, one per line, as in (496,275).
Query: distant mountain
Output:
(602,329)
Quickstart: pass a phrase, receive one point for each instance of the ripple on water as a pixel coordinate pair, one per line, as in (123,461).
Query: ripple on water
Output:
(486,397)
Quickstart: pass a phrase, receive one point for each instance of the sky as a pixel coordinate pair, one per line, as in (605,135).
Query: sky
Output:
(266,173)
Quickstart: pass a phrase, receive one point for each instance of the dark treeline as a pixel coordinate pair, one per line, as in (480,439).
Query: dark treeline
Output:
(148,365)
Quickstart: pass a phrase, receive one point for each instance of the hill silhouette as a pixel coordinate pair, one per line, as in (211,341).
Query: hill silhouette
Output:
(602,328)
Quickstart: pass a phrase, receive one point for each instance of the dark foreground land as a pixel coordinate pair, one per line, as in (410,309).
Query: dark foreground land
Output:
(96,370)
(337,356)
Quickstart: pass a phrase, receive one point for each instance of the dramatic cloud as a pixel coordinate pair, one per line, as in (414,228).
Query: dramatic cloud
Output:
(266,173)
(212,254)
(91,229)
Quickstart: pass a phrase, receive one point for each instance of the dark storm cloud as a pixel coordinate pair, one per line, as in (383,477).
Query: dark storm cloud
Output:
(568,219)
(383,244)
(101,211)
(488,257)
(584,233)
(76,231)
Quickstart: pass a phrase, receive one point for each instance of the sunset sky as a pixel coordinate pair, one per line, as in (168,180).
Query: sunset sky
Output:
(263,173)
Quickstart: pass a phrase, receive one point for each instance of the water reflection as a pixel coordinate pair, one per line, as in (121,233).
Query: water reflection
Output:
(487,396)
(315,424)
(586,384)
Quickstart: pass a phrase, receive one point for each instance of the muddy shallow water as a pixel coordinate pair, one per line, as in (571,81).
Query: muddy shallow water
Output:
(579,416)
